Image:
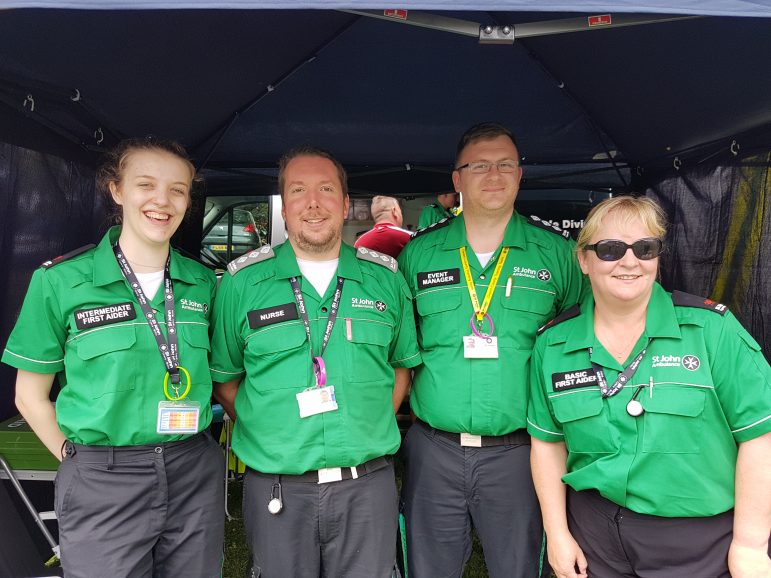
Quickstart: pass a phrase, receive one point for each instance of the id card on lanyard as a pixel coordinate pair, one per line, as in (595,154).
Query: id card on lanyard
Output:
(175,415)
(481,345)
(319,399)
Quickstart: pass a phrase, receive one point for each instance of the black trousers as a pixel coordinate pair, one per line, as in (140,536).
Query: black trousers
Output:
(618,542)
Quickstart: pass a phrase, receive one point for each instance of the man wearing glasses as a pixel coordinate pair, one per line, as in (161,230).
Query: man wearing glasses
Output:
(483,283)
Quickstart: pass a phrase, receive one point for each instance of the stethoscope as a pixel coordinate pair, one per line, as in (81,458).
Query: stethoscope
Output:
(276,503)
(634,407)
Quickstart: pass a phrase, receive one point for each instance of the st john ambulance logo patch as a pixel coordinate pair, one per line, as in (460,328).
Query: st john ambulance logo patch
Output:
(691,362)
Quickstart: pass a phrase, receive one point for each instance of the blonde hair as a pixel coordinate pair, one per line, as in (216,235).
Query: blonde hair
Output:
(381,207)
(626,209)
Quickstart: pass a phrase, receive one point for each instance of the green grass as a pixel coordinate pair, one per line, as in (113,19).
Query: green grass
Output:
(237,559)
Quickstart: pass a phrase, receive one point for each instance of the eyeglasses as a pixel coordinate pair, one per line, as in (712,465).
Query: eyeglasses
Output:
(613,249)
(481,167)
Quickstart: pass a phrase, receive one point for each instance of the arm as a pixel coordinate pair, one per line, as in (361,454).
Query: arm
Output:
(401,385)
(32,391)
(548,462)
(225,393)
(748,555)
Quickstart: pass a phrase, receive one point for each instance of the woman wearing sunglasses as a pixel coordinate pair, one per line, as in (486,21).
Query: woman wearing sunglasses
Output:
(650,415)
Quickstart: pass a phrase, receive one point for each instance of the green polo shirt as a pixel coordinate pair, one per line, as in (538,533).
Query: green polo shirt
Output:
(109,367)
(431,214)
(711,390)
(483,396)
(258,335)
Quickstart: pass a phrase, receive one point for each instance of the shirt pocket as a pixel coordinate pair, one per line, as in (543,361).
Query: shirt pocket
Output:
(584,423)
(367,349)
(673,420)
(194,354)
(112,359)
(524,311)
(440,316)
(279,353)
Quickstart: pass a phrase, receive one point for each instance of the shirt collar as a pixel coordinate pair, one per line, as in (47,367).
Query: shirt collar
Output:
(660,320)
(514,236)
(106,269)
(286,262)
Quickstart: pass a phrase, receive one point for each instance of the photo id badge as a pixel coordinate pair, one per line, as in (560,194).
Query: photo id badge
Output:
(178,417)
(316,400)
(480,347)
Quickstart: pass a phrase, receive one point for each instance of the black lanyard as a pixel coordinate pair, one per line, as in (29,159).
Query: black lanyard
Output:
(170,352)
(298,297)
(622,378)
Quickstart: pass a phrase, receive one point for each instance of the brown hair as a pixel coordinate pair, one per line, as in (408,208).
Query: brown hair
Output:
(309,151)
(482,131)
(111,170)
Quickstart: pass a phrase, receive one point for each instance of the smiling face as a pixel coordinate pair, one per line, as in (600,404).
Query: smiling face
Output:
(490,193)
(628,281)
(314,207)
(154,194)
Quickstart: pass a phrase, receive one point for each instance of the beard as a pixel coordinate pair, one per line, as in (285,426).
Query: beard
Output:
(318,243)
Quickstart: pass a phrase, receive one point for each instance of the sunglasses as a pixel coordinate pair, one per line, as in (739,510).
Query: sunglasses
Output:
(613,249)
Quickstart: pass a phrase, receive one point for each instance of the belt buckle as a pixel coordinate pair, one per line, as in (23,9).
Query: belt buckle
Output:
(470,440)
(327,475)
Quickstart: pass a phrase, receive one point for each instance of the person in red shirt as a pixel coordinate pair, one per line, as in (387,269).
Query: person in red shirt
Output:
(386,236)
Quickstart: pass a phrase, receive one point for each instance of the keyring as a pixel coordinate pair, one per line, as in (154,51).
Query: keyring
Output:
(320,369)
(486,336)
(166,385)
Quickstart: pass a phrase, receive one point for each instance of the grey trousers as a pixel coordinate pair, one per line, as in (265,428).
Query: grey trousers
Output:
(344,529)
(449,487)
(142,511)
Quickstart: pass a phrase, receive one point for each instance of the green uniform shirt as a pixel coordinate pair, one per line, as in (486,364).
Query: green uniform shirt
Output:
(483,396)
(110,370)
(373,334)
(431,214)
(711,389)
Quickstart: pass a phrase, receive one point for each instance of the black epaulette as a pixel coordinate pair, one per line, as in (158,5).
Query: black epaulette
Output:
(574,311)
(687,300)
(547,226)
(53,262)
(376,257)
(433,227)
(258,255)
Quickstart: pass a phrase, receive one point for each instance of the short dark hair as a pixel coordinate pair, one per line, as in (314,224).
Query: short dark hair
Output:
(482,131)
(309,151)
(111,170)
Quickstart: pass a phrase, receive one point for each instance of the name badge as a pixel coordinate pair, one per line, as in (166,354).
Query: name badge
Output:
(316,400)
(480,347)
(178,417)
(470,440)
(98,316)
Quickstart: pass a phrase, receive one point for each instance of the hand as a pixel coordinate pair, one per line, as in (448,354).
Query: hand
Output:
(566,558)
(747,562)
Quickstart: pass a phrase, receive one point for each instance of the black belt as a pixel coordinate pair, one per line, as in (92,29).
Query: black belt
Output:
(517,437)
(348,473)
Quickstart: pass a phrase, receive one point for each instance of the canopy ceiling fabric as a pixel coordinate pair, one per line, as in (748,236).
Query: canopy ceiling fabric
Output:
(760,8)
(239,87)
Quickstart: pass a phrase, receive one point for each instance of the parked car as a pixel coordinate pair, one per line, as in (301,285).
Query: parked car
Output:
(233,234)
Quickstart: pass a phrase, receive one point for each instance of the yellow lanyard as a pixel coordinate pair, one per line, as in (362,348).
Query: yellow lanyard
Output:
(472,290)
